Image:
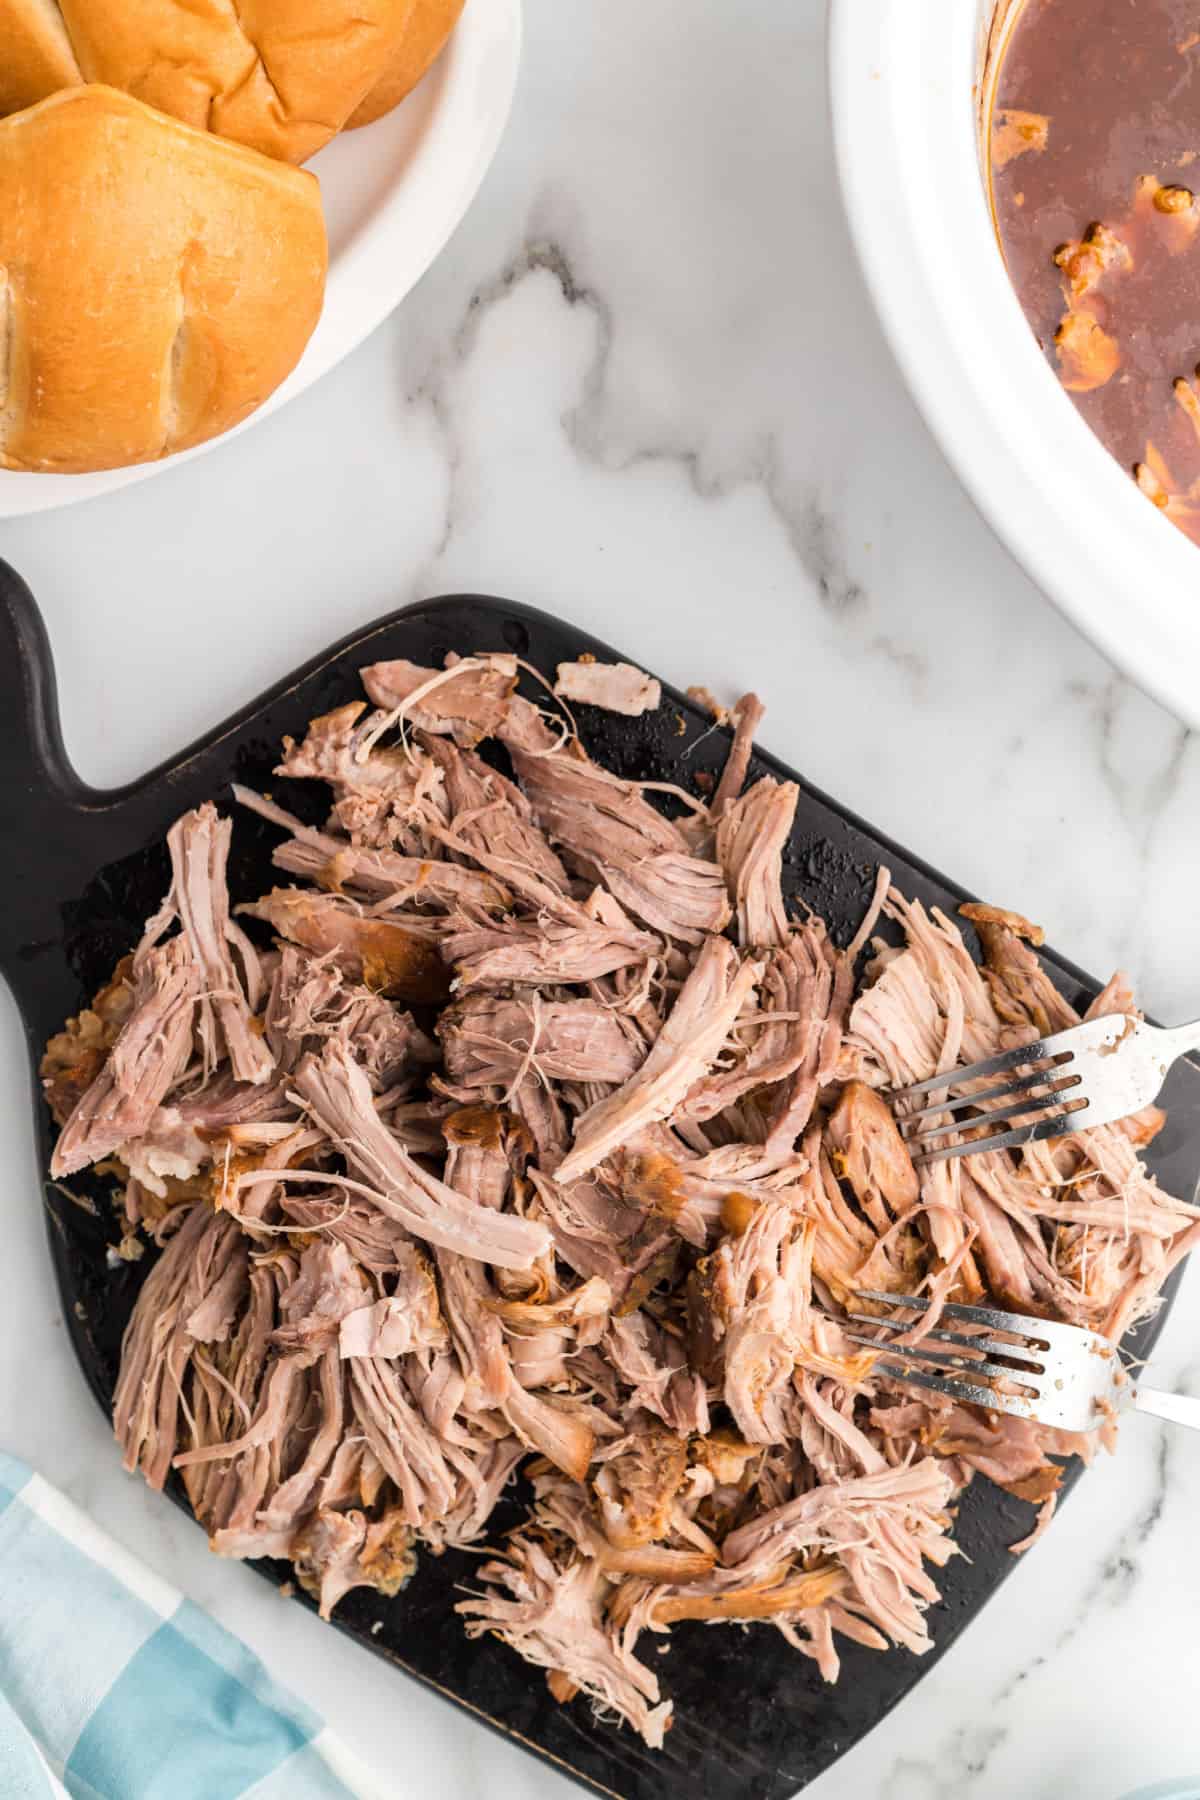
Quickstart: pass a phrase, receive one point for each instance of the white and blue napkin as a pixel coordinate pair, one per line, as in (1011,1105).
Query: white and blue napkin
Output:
(114,1687)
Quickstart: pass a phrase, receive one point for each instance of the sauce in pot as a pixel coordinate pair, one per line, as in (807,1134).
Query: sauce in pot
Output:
(1095,168)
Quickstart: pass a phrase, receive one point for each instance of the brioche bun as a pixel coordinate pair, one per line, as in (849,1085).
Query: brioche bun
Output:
(430,26)
(281,76)
(156,283)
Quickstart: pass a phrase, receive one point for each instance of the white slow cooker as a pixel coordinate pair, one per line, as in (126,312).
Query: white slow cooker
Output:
(906,82)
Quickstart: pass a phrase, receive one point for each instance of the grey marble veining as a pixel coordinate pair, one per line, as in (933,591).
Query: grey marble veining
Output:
(643,387)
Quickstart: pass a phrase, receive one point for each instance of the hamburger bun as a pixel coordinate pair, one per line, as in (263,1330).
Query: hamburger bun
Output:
(281,76)
(156,283)
(37,58)
(428,30)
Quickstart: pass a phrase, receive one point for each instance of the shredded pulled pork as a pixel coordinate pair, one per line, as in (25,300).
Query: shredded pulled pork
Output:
(597,1206)
(617,687)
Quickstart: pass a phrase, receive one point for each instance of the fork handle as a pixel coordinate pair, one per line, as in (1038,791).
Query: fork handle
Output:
(1184,1038)
(1177,1409)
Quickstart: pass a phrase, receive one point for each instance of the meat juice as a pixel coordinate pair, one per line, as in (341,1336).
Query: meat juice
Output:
(1094,145)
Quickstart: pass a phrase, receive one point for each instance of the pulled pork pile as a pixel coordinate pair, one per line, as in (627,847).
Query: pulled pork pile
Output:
(541,1131)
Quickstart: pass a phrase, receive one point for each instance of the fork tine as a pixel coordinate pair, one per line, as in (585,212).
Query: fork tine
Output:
(959,1390)
(1042,1050)
(1032,1103)
(1040,1078)
(1058,1125)
(992,1346)
(1079,1378)
(991,1316)
(942,1359)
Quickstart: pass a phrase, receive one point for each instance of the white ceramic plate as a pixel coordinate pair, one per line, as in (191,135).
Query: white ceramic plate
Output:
(393,194)
(903,78)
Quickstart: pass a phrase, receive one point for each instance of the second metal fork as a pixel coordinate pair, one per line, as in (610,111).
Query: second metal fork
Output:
(1039,1369)
(1093,1074)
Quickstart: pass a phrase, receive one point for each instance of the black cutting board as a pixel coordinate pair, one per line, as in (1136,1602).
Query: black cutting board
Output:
(752,1718)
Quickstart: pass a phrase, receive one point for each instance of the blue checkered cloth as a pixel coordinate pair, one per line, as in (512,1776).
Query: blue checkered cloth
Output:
(114,1687)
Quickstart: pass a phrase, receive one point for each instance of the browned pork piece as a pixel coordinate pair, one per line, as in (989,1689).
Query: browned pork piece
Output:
(199,898)
(870,1154)
(612,831)
(75,1055)
(543,1135)
(751,1321)
(655,1366)
(596,1234)
(382,795)
(751,837)
(310,1001)
(489,813)
(537,953)
(179,1000)
(565,1509)
(150,1053)
(339,1098)
(879,1527)
(390,880)
(554,1617)
(206,1253)
(789,1046)
(617,687)
(1022,992)
(428,1472)
(468,700)
(401,961)
(379,874)
(637,1482)
(747,716)
(691,1037)
(409,1318)
(491,1042)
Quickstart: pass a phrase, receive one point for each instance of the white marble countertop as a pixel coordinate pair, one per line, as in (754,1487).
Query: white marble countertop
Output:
(643,388)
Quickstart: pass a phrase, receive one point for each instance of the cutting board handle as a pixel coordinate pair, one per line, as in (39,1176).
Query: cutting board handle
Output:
(55,831)
(37,778)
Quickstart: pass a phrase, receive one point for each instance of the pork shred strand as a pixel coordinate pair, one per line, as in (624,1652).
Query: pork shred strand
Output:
(531,1127)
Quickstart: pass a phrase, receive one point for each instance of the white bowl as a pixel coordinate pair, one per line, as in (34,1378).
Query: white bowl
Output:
(393,193)
(904,80)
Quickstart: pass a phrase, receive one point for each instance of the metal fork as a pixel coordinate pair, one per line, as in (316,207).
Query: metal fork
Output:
(1009,1362)
(1094,1073)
